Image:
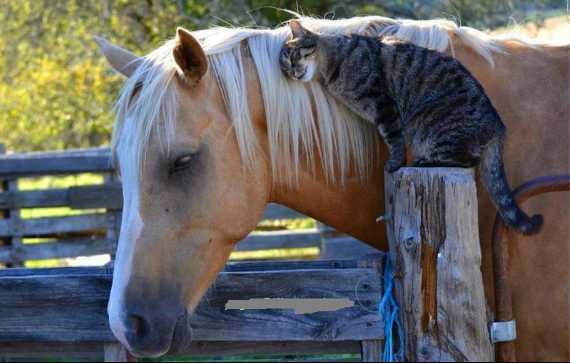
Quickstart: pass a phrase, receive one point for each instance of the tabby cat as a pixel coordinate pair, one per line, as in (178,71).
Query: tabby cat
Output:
(415,94)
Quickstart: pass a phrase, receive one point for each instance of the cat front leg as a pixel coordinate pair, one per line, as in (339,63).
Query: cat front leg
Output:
(394,139)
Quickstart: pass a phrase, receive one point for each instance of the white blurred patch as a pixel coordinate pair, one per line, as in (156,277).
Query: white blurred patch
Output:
(97,260)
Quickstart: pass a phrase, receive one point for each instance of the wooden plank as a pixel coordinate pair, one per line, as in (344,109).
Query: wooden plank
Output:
(114,216)
(345,248)
(108,195)
(34,198)
(371,350)
(81,247)
(72,308)
(24,351)
(64,309)
(84,197)
(201,349)
(366,262)
(55,271)
(9,214)
(15,216)
(434,247)
(4,212)
(280,239)
(95,350)
(297,265)
(214,323)
(53,225)
(52,163)
(58,249)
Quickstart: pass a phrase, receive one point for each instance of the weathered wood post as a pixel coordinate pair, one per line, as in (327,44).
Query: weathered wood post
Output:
(15,242)
(434,247)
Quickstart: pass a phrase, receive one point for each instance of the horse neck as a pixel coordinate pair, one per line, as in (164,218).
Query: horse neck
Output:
(351,208)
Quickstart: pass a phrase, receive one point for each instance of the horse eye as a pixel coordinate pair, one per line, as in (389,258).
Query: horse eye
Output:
(181,163)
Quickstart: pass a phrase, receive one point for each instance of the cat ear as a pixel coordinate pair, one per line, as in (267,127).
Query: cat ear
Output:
(297,29)
(189,56)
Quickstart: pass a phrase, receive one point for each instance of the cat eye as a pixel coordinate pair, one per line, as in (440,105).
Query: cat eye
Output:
(181,163)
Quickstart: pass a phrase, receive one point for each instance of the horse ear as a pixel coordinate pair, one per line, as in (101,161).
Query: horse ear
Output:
(189,56)
(120,59)
(297,29)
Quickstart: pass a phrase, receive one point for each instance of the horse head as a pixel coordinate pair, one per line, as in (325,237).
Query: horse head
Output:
(187,197)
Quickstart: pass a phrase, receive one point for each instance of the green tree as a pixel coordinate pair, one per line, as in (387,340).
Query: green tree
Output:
(56,91)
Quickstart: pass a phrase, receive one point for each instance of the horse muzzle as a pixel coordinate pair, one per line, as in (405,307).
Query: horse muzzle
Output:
(154,332)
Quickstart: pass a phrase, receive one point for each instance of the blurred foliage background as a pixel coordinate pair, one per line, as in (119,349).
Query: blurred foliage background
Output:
(56,91)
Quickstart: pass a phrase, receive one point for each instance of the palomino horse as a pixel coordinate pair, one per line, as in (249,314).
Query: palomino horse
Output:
(208,132)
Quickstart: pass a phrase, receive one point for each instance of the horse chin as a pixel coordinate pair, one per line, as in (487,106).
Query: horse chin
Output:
(182,335)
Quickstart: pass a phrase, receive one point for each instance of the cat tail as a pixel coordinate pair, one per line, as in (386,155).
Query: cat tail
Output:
(492,172)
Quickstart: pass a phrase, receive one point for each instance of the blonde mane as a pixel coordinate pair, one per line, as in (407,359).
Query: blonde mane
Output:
(300,117)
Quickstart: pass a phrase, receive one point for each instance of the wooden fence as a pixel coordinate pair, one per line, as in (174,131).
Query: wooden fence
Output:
(51,312)
(434,249)
(93,229)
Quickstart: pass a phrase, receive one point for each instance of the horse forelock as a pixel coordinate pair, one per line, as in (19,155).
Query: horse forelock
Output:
(300,118)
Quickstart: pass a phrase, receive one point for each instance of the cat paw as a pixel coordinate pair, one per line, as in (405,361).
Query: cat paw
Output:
(393,165)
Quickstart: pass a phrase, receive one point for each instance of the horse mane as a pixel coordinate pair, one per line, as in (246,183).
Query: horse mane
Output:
(300,118)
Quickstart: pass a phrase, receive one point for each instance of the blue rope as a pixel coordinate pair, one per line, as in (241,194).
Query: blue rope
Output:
(389,310)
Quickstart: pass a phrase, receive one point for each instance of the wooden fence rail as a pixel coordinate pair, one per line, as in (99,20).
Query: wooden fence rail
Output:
(95,230)
(96,160)
(68,306)
(432,229)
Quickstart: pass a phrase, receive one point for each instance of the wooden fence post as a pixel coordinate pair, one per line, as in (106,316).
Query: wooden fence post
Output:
(113,220)
(434,247)
(4,213)
(15,242)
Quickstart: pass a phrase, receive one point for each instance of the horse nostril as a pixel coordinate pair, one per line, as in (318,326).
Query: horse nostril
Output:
(137,325)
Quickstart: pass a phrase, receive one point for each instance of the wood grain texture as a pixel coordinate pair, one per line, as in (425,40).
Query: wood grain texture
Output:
(58,249)
(371,350)
(96,351)
(434,246)
(251,266)
(108,195)
(26,351)
(83,197)
(52,163)
(15,216)
(345,248)
(71,308)
(4,212)
(78,228)
(53,225)
(280,239)
(272,347)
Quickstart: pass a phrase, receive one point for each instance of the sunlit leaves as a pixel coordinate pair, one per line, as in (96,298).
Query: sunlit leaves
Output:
(56,91)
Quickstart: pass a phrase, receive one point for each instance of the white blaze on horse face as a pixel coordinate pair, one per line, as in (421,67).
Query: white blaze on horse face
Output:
(131,230)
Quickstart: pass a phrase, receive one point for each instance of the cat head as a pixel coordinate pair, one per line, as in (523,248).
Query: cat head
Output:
(298,58)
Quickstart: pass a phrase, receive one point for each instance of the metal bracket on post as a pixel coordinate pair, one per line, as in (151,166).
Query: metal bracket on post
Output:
(503,331)
(384,218)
